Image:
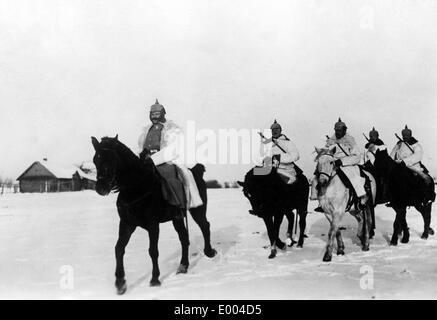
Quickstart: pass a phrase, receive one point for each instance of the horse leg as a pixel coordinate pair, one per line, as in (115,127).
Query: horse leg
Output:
(425,211)
(404,226)
(179,226)
(332,232)
(302,212)
(124,233)
(276,226)
(199,216)
(340,243)
(397,225)
(366,228)
(372,226)
(290,217)
(268,220)
(154,253)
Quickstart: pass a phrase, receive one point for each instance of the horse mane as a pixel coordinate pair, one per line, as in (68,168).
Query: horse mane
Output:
(129,157)
(404,185)
(324,151)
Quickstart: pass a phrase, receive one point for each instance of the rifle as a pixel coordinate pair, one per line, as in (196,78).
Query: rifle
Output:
(411,149)
(368,140)
(327,137)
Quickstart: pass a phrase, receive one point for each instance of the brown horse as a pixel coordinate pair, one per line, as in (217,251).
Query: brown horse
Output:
(141,203)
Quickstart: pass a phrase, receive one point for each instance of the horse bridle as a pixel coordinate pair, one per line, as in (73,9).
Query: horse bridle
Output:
(329,176)
(112,182)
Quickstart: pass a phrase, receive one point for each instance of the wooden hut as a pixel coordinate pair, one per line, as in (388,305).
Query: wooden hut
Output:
(45,176)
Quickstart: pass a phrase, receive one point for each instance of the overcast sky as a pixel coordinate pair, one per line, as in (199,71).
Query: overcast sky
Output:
(70,70)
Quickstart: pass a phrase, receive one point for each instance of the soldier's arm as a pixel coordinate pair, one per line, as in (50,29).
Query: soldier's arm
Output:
(415,157)
(354,156)
(394,151)
(141,140)
(291,155)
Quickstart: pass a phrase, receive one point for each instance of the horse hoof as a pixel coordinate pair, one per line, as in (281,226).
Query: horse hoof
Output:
(365,248)
(182,269)
(210,253)
(371,234)
(327,257)
(424,235)
(272,254)
(300,243)
(155,283)
(340,252)
(121,286)
(405,239)
(281,245)
(393,242)
(431,231)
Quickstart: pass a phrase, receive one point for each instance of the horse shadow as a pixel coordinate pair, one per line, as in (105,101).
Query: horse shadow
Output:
(348,228)
(222,239)
(350,225)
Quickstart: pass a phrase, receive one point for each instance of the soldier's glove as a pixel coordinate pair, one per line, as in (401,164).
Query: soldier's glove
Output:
(338,163)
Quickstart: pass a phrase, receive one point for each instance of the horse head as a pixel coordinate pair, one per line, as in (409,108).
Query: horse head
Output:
(106,162)
(325,164)
(383,162)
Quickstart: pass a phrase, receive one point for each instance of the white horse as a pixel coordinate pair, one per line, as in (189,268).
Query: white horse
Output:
(334,196)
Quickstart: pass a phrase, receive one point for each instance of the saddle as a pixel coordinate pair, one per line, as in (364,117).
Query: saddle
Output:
(353,198)
(172,185)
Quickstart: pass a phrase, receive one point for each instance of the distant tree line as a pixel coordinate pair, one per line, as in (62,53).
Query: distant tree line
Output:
(214,184)
(7,184)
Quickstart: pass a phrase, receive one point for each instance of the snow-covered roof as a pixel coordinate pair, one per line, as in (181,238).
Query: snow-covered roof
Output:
(62,171)
(59,170)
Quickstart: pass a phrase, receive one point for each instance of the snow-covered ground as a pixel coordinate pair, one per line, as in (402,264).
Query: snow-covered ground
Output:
(41,234)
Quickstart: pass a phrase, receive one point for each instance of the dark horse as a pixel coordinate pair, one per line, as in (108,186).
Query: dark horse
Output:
(271,198)
(141,203)
(404,188)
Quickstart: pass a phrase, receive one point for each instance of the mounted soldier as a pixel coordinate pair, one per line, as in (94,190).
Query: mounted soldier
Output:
(373,144)
(280,152)
(409,152)
(161,140)
(276,186)
(347,157)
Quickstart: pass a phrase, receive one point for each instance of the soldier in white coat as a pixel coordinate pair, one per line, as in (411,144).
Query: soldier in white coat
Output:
(280,152)
(347,157)
(371,147)
(163,139)
(410,152)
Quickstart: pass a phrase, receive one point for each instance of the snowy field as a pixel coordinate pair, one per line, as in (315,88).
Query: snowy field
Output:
(41,233)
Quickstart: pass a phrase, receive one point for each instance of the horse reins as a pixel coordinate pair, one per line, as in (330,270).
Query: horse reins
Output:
(330,176)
